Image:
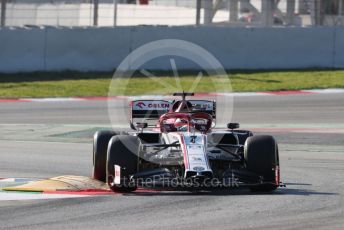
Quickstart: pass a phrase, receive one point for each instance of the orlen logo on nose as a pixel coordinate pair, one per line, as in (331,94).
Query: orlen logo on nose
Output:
(140,104)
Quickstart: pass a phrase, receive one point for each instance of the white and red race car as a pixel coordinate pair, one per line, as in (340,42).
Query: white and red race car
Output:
(182,149)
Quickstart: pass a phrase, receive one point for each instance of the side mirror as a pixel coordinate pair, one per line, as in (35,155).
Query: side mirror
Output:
(233,125)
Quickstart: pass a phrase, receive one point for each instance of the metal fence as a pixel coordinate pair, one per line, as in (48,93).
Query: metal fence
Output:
(232,13)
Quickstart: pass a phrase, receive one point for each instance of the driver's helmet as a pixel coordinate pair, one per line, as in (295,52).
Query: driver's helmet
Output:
(181,124)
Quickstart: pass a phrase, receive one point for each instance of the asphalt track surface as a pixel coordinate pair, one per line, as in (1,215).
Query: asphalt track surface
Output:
(312,168)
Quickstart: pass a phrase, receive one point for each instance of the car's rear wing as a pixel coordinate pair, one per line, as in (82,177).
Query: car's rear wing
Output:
(151,110)
(204,106)
(147,111)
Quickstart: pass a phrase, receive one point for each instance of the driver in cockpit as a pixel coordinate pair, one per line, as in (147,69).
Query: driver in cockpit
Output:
(182,107)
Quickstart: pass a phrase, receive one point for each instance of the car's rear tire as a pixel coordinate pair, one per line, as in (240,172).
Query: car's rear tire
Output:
(122,151)
(261,158)
(100,146)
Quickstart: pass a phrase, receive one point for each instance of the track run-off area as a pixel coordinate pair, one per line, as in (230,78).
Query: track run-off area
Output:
(49,138)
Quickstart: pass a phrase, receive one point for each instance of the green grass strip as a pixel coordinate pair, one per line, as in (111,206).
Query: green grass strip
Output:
(70,84)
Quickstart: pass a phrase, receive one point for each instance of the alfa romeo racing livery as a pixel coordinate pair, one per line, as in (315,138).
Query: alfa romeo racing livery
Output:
(175,144)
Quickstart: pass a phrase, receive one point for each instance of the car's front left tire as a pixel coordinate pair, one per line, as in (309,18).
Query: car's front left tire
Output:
(100,145)
(123,152)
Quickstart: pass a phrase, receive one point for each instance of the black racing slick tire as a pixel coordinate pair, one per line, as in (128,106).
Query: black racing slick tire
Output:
(261,158)
(123,152)
(243,135)
(100,146)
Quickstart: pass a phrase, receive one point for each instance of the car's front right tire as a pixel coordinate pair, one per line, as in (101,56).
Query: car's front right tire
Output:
(261,158)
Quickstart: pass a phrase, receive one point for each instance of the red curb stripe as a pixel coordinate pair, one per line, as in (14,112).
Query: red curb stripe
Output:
(14,100)
(95,192)
(105,98)
(81,192)
(287,92)
(206,94)
(91,98)
(99,98)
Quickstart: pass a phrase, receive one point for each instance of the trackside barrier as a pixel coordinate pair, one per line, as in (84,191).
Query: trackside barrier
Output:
(102,49)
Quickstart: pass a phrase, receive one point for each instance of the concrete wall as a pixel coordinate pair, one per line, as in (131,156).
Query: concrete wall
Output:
(102,49)
(22,50)
(86,49)
(338,60)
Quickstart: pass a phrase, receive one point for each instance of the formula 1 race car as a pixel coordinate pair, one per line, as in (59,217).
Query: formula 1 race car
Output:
(182,149)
